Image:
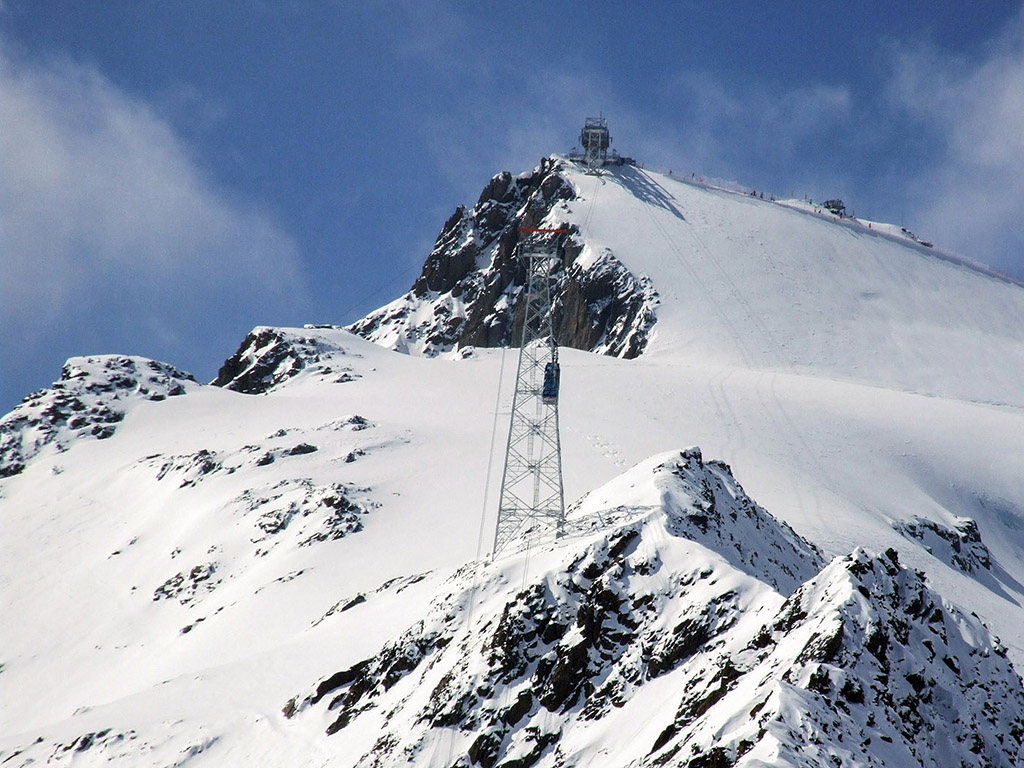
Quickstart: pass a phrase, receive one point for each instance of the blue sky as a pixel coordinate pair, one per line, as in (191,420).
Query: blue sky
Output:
(173,174)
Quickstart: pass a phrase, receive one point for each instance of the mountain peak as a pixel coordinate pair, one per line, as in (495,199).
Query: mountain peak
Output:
(702,501)
(661,615)
(753,283)
(469,292)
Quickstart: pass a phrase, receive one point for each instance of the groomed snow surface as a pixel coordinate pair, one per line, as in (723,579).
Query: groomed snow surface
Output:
(177,584)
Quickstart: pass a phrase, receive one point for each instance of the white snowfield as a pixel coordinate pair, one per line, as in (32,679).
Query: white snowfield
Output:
(169,585)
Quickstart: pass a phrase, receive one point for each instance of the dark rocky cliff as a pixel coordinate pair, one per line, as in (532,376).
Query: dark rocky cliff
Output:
(468,292)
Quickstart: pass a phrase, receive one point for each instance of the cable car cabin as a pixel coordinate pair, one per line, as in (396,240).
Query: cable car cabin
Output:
(549,394)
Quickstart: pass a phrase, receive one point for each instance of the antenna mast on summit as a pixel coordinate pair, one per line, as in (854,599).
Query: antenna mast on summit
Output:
(532,501)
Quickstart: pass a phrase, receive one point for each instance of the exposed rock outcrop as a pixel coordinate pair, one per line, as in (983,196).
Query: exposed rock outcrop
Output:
(269,357)
(671,619)
(89,401)
(960,546)
(469,291)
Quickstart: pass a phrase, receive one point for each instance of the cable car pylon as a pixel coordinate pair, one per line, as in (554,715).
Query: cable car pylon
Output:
(532,500)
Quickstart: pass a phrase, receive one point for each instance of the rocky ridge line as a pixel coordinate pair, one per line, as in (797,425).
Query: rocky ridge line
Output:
(862,665)
(469,291)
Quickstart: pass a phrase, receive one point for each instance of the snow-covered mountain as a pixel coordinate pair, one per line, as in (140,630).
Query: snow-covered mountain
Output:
(289,566)
(675,637)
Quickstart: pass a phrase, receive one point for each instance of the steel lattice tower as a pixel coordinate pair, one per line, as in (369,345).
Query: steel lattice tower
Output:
(595,140)
(532,502)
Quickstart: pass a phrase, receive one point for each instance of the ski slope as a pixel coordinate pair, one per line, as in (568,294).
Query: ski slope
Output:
(853,383)
(764,286)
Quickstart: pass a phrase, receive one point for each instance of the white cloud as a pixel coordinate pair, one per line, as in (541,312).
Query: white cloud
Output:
(107,219)
(972,197)
(730,127)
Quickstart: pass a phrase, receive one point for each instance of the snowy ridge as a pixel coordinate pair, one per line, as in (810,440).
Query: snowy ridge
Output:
(643,622)
(90,400)
(901,235)
(863,666)
(759,285)
(704,502)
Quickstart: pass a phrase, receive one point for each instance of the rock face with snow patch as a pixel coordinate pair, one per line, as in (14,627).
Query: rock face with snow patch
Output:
(269,357)
(469,291)
(90,400)
(862,666)
(960,547)
(702,501)
(665,617)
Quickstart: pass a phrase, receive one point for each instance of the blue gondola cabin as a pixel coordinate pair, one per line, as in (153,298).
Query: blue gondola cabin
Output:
(549,394)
